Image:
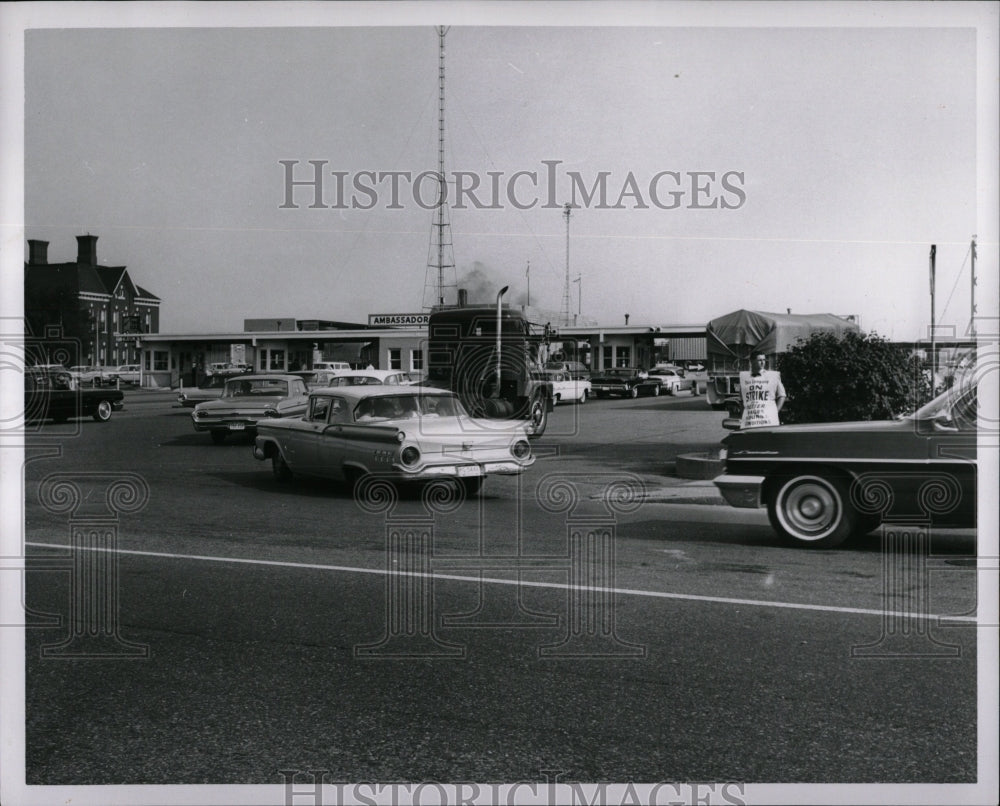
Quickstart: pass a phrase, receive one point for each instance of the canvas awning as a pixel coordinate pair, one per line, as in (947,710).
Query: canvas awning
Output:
(742,333)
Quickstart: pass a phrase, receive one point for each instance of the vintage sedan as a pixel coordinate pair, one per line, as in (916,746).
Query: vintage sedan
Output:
(54,395)
(87,375)
(565,388)
(210,389)
(822,483)
(672,379)
(126,373)
(575,369)
(246,401)
(624,381)
(369,377)
(403,434)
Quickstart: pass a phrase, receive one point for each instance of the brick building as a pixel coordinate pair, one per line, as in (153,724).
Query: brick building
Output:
(116,309)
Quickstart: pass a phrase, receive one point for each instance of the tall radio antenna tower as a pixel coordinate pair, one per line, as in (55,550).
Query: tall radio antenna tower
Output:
(566,315)
(440,274)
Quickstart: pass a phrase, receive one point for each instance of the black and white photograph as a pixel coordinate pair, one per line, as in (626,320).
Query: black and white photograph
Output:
(499,403)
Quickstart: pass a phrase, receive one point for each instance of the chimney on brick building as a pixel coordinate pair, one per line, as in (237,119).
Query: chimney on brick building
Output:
(38,253)
(86,252)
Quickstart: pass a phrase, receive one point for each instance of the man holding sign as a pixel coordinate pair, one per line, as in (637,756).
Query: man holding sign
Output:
(763,394)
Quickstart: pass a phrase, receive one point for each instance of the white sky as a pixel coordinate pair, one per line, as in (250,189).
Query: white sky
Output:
(857,144)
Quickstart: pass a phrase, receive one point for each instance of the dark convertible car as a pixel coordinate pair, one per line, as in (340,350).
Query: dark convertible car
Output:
(624,381)
(822,483)
(52,395)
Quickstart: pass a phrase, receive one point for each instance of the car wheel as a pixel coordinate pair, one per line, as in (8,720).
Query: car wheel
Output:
(583,396)
(555,400)
(656,390)
(812,511)
(633,392)
(218,437)
(280,468)
(538,417)
(103,412)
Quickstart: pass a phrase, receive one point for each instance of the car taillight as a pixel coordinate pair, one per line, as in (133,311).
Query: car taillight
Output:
(410,455)
(271,413)
(521,449)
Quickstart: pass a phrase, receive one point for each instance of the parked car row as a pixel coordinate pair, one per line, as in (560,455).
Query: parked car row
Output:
(81,375)
(363,424)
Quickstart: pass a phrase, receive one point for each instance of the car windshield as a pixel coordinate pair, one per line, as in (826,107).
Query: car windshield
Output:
(355,380)
(620,373)
(256,387)
(394,407)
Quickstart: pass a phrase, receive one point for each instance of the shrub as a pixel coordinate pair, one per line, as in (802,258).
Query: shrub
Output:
(852,377)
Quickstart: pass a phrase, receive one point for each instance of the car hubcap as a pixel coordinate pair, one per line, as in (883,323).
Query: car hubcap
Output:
(810,509)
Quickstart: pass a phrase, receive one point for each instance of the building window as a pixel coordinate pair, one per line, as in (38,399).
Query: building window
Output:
(277,360)
(607,356)
(416,360)
(623,357)
(395,358)
(161,360)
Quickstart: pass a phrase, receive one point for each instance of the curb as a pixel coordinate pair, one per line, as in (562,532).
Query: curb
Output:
(703,466)
(695,492)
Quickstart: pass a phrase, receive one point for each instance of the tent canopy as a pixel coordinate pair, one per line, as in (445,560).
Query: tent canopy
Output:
(743,333)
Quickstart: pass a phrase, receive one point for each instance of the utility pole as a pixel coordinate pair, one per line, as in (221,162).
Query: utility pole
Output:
(527,274)
(972,295)
(933,331)
(565,308)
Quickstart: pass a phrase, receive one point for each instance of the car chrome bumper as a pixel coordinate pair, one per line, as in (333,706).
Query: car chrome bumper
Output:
(741,491)
(508,467)
(233,424)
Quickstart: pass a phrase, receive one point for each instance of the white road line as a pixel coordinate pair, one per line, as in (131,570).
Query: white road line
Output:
(861,611)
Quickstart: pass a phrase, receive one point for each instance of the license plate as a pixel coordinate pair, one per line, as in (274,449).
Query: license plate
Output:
(468,470)
(237,426)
